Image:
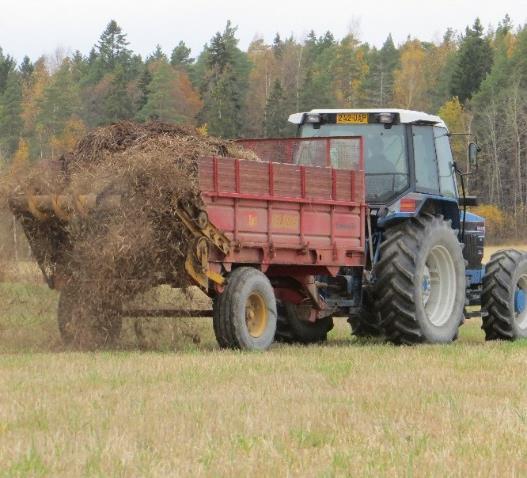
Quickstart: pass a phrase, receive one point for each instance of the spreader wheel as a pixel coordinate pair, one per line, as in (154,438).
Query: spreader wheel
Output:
(245,313)
(294,326)
(503,301)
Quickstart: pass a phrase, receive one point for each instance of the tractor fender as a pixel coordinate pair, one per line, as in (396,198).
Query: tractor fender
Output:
(425,204)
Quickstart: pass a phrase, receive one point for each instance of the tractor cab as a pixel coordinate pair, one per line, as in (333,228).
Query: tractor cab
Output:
(404,151)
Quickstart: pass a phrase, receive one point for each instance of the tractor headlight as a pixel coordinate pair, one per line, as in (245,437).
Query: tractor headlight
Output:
(312,118)
(385,118)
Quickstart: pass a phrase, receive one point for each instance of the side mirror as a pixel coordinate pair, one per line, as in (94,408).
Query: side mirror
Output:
(473,150)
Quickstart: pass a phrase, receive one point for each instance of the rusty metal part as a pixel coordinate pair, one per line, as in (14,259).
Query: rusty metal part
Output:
(62,206)
(205,234)
(215,236)
(197,264)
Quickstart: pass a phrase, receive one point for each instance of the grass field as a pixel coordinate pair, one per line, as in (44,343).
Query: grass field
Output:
(347,408)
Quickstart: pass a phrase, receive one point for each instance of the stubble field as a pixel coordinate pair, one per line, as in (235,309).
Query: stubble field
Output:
(183,407)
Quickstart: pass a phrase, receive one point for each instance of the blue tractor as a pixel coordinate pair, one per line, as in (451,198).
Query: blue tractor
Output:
(425,250)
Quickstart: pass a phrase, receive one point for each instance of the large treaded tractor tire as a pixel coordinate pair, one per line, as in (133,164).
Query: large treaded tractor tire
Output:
(503,305)
(421,285)
(292,328)
(245,312)
(367,323)
(85,323)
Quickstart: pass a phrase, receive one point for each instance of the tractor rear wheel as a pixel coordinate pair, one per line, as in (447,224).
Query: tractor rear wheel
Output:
(293,326)
(245,312)
(420,289)
(367,323)
(84,322)
(503,300)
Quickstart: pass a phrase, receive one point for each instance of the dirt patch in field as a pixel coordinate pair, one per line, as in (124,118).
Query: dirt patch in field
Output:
(110,256)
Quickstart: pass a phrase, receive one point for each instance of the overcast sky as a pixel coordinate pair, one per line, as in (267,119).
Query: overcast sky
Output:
(37,27)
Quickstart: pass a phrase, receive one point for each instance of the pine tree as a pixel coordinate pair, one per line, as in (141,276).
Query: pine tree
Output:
(11,124)
(474,62)
(180,56)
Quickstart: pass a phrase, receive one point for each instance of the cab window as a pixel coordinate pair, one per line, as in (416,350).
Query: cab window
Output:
(445,161)
(425,159)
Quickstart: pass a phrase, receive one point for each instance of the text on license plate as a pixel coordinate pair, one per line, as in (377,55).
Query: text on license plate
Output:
(352,118)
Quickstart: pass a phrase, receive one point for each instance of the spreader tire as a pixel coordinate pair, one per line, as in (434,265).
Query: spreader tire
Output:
(84,323)
(367,323)
(292,328)
(420,290)
(245,312)
(503,308)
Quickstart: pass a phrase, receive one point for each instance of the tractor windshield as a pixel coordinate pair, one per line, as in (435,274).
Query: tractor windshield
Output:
(384,153)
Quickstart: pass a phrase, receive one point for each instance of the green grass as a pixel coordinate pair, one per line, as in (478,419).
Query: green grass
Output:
(347,408)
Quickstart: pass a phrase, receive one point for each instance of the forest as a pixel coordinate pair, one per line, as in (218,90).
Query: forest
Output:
(476,80)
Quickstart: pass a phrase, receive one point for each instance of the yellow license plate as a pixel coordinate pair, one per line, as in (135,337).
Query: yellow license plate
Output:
(352,118)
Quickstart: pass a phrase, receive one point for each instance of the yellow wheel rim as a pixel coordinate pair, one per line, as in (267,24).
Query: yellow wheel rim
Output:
(256,316)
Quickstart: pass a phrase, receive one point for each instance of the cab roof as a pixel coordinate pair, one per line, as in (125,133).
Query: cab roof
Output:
(406,116)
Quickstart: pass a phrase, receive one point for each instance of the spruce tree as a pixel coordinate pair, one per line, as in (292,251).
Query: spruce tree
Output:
(112,48)
(474,62)
(225,83)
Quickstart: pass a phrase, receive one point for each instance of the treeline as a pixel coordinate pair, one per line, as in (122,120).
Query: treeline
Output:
(476,80)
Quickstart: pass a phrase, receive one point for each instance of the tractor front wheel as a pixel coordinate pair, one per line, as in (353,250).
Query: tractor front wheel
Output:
(245,312)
